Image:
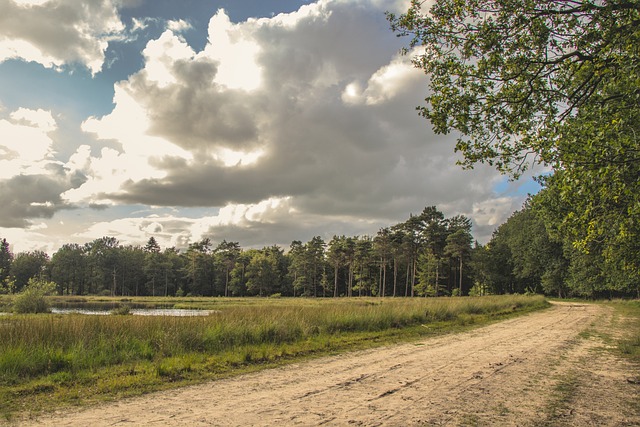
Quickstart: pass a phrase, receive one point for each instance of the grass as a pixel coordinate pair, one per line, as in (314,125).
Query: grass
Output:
(624,335)
(559,408)
(629,344)
(51,361)
(621,338)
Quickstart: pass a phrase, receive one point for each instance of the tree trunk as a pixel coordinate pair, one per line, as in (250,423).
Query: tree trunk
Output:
(384,277)
(460,276)
(395,276)
(226,283)
(406,282)
(350,291)
(113,288)
(380,279)
(437,277)
(413,276)
(314,281)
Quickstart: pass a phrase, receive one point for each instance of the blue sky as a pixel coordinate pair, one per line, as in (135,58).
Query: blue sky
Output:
(253,121)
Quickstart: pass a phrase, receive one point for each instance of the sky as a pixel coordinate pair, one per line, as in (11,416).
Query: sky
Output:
(256,121)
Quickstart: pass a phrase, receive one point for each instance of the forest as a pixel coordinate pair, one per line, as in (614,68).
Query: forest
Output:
(426,255)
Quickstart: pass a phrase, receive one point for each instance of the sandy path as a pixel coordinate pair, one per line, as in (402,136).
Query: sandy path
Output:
(509,373)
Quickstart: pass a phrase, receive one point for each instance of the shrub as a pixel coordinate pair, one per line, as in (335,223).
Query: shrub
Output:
(32,298)
(124,309)
(7,286)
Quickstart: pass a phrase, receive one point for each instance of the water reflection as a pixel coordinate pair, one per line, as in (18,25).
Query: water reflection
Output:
(136,311)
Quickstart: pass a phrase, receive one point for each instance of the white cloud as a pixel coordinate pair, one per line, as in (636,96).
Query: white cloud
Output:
(179,25)
(40,119)
(23,240)
(490,213)
(236,52)
(105,175)
(162,54)
(243,215)
(179,231)
(30,3)
(386,83)
(291,20)
(25,146)
(55,33)
(139,24)
(128,124)
(13,49)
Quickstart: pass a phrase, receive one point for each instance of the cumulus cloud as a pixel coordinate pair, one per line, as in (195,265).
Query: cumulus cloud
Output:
(315,108)
(31,179)
(178,25)
(55,33)
(292,126)
(25,147)
(30,196)
(271,221)
(109,170)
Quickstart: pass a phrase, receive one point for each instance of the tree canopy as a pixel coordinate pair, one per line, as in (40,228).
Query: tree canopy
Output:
(513,76)
(555,82)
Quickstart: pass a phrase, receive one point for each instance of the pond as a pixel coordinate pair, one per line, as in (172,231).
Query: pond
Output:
(180,312)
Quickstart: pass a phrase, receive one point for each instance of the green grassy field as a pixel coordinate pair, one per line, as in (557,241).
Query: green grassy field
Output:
(49,361)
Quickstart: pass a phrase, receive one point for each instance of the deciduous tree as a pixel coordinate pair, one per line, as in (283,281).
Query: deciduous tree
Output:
(543,81)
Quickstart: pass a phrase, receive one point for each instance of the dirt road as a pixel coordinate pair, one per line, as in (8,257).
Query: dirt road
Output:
(540,369)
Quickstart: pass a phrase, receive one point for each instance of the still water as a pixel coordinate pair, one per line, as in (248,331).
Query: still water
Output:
(136,311)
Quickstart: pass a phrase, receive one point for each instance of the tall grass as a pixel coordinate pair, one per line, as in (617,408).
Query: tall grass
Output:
(39,345)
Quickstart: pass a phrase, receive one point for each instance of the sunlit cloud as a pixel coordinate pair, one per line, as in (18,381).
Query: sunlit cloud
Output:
(25,146)
(235,51)
(26,32)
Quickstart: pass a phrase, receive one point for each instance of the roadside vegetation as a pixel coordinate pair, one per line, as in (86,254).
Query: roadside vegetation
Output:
(50,361)
(620,338)
(629,343)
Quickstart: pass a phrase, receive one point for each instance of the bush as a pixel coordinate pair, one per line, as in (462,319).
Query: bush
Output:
(7,286)
(32,298)
(123,310)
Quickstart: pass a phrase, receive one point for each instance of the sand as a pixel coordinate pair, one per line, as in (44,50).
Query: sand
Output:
(538,369)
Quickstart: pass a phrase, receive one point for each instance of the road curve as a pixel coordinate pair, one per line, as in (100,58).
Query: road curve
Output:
(508,373)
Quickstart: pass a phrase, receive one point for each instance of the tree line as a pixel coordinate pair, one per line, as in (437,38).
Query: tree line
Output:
(556,83)
(426,255)
(532,252)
